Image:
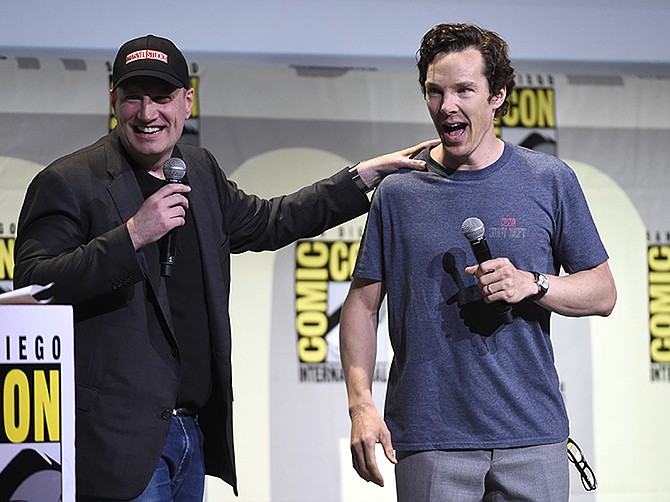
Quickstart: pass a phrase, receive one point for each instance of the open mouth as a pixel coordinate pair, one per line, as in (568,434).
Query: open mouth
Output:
(454,131)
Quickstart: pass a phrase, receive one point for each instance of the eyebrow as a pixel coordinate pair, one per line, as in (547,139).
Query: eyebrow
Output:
(460,83)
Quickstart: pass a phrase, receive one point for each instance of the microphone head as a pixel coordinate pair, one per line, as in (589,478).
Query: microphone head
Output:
(473,229)
(174,169)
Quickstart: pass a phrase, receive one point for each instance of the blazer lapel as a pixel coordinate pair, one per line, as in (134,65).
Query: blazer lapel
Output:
(200,206)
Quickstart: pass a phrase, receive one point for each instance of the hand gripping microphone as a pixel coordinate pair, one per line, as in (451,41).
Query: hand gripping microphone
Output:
(473,229)
(174,170)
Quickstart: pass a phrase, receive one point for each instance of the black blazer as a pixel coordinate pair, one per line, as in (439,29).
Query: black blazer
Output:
(72,231)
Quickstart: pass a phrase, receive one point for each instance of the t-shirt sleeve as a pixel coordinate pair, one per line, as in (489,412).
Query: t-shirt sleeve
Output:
(577,243)
(370,262)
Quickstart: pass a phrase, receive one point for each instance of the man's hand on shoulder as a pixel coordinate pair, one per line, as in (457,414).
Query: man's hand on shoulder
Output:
(372,171)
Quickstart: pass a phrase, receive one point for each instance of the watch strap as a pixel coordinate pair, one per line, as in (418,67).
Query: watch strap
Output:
(358,181)
(542,287)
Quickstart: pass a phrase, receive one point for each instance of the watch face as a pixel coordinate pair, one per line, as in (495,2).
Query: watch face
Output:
(542,282)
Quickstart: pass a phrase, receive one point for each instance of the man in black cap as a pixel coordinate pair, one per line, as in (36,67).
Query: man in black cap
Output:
(153,368)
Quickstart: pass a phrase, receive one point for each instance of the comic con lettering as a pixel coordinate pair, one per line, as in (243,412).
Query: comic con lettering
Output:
(6,258)
(659,303)
(530,108)
(30,403)
(317,264)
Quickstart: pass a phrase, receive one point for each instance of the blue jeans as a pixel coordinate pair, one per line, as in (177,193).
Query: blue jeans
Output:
(180,474)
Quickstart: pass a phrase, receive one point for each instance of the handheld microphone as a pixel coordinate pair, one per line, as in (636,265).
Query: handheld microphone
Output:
(473,230)
(174,170)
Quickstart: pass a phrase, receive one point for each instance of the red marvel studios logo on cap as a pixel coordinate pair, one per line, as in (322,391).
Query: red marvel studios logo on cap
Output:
(151,56)
(147,54)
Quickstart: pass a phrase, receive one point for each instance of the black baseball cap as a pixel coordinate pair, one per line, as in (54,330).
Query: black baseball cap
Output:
(150,56)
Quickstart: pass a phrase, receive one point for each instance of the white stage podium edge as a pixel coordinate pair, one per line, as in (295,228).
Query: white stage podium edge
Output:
(37,402)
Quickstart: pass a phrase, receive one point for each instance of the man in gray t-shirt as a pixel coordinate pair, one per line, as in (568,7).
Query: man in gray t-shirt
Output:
(473,406)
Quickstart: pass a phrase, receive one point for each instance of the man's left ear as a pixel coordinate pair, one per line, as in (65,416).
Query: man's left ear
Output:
(498,99)
(190,99)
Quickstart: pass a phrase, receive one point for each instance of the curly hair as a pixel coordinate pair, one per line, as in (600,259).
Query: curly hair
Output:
(458,37)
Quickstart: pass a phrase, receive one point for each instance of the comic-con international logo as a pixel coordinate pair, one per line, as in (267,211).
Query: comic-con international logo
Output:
(322,278)
(658,260)
(531,118)
(30,425)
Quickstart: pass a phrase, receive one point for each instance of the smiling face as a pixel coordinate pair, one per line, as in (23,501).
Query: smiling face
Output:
(150,116)
(462,110)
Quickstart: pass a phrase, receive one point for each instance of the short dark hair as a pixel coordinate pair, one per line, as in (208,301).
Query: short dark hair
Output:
(450,38)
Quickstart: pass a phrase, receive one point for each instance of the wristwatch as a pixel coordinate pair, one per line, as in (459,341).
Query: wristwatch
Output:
(356,178)
(542,286)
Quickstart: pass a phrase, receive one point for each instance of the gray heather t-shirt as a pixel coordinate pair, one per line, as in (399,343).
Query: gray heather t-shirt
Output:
(460,378)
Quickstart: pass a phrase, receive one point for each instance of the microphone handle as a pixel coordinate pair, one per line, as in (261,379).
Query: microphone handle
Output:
(505,311)
(482,252)
(169,244)
(167,254)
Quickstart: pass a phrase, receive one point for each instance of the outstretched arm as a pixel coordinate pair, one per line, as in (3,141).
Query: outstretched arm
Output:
(372,171)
